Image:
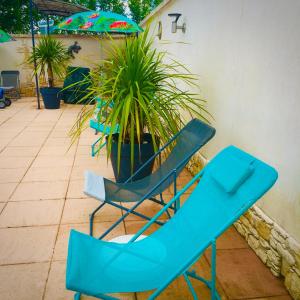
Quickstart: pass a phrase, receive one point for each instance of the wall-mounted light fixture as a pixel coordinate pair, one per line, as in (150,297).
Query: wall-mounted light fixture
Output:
(174,23)
(159,30)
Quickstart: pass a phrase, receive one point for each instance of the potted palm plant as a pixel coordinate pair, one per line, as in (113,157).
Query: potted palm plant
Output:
(51,58)
(145,96)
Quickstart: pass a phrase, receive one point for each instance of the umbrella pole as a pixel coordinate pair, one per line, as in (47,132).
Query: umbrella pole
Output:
(48,29)
(33,49)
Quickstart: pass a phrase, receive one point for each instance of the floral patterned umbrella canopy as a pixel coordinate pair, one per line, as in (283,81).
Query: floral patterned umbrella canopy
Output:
(98,22)
(5,37)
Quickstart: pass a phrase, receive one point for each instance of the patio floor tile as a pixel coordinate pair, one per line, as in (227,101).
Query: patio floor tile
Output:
(178,290)
(20,151)
(53,173)
(27,140)
(23,282)
(147,208)
(15,162)
(257,280)
(132,227)
(60,252)
(58,141)
(44,161)
(75,189)
(27,244)
(31,213)
(231,239)
(41,200)
(6,189)
(78,211)
(100,168)
(11,175)
(40,190)
(57,150)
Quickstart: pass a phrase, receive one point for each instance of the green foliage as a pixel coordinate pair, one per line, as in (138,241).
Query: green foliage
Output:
(141,8)
(142,94)
(14,16)
(115,6)
(51,57)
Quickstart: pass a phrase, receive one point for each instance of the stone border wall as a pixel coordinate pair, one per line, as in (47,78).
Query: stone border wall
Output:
(276,249)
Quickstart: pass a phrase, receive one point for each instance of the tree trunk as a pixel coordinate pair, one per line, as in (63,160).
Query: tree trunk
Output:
(50,76)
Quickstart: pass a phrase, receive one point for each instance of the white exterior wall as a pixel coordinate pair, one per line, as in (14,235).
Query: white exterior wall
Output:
(247,54)
(14,54)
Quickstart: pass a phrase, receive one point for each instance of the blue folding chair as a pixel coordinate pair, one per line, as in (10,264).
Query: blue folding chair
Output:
(230,184)
(97,124)
(188,141)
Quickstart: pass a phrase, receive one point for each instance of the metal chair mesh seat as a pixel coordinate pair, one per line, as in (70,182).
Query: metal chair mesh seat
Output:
(188,141)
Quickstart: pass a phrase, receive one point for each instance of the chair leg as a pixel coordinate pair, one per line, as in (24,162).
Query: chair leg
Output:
(163,203)
(190,286)
(211,284)
(77,296)
(92,215)
(213,270)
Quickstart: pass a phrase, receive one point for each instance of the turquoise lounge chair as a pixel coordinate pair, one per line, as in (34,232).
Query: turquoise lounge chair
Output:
(230,184)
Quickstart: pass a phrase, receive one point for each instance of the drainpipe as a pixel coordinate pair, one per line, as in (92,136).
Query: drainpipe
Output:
(33,50)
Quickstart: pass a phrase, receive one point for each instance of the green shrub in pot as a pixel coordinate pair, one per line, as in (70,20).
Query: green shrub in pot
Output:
(52,59)
(146,93)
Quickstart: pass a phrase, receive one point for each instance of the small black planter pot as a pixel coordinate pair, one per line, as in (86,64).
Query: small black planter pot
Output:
(140,157)
(51,97)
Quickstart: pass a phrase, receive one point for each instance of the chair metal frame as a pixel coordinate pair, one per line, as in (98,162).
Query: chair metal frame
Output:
(185,272)
(15,91)
(161,201)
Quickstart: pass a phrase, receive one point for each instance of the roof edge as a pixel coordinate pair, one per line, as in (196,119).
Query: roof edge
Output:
(154,12)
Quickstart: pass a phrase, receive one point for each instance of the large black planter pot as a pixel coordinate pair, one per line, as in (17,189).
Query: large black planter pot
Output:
(140,157)
(51,97)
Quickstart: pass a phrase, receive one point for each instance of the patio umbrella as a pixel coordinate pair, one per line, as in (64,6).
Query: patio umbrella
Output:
(98,22)
(5,37)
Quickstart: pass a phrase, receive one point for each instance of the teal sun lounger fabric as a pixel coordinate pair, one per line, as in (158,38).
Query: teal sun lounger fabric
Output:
(230,184)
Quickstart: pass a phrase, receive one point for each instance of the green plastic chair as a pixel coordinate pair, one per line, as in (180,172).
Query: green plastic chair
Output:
(97,124)
(230,184)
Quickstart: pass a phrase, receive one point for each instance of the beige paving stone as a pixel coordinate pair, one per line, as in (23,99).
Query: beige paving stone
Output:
(15,162)
(89,161)
(56,285)
(11,175)
(28,140)
(61,246)
(58,150)
(102,169)
(54,173)
(45,161)
(84,150)
(6,189)
(40,190)
(23,282)
(31,213)
(78,211)
(20,151)
(58,142)
(2,204)
(59,134)
(4,142)
(75,189)
(27,244)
